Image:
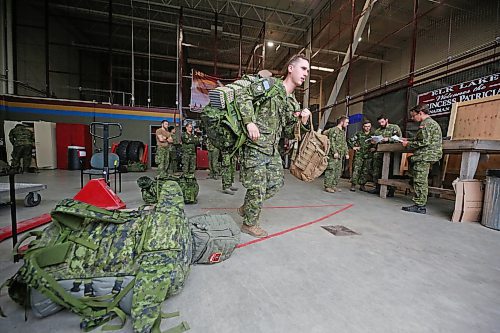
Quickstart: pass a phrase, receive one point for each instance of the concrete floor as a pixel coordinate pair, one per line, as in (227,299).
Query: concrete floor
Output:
(404,273)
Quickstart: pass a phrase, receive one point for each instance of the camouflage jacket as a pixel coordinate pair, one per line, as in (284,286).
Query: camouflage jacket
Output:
(189,143)
(210,146)
(21,135)
(362,140)
(273,116)
(428,142)
(388,131)
(338,142)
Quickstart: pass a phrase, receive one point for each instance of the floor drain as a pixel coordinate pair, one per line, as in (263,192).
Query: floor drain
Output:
(339,230)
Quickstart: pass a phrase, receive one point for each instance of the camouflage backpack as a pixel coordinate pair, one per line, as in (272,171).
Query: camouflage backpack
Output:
(104,264)
(149,187)
(215,237)
(221,117)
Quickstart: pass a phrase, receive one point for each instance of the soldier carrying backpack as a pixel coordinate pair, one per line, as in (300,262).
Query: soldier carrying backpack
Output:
(252,114)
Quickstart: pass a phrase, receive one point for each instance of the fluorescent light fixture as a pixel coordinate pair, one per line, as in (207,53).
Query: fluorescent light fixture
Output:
(270,44)
(324,69)
(312,81)
(278,47)
(360,39)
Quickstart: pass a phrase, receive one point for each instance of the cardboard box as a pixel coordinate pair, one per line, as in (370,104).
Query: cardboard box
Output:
(468,200)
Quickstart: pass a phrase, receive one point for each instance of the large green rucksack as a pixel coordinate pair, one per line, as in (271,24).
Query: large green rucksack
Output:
(150,187)
(215,237)
(103,264)
(221,117)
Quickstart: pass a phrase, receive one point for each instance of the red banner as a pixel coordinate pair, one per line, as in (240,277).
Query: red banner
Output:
(200,85)
(441,100)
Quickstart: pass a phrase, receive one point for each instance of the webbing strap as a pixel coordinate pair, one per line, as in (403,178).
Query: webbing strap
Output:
(182,327)
(113,327)
(98,300)
(34,233)
(166,315)
(84,242)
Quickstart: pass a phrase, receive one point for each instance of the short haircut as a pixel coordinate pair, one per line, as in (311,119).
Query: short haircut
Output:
(367,122)
(341,119)
(164,121)
(292,61)
(382,116)
(420,108)
(170,128)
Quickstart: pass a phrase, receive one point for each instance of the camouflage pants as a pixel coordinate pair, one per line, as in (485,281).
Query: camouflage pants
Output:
(228,168)
(213,162)
(188,163)
(172,161)
(162,159)
(361,168)
(262,176)
(333,172)
(419,171)
(378,159)
(21,152)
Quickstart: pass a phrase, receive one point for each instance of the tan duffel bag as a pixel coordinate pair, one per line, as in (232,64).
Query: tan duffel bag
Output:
(311,158)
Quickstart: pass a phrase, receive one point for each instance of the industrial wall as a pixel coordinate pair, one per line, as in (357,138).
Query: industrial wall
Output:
(436,42)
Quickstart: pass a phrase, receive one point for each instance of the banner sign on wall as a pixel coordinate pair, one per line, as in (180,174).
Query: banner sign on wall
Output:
(441,100)
(200,85)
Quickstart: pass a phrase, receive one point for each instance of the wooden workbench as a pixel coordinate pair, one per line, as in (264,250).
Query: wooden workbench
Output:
(470,151)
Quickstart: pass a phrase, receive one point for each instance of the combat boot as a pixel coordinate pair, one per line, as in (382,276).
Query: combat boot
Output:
(415,209)
(376,190)
(254,230)
(362,188)
(227,191)
(329,190)
(390,192)
(337,189)
(353,188)
(232,188)
(241,211)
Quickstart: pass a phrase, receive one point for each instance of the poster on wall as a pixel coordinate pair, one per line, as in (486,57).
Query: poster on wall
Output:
(201,83)
(441,100)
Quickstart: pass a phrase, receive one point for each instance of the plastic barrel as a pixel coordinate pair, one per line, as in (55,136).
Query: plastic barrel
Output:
(491,206)
(74,157)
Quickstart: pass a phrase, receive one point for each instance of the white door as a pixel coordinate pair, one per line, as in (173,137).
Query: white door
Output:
(45,144)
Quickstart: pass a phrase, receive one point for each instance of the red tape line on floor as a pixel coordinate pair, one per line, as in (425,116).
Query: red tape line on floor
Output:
(26,225)
(346,207)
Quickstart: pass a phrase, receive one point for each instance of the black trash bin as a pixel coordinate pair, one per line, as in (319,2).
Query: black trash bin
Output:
(75,154)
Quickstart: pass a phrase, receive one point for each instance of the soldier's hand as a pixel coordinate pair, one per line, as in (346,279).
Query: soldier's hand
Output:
(336,155)
(347,156)
(170,140)
(253,131)
(404,142)
(356,148)
(305,114)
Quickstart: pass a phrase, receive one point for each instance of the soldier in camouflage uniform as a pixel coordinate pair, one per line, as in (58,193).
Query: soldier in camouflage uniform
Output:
(189,143)
(173,162)
(338,150)
(228,169)
(362,164)
(163,141)
(213,161)
(385,130)
(262,170)
(23,140)
(428,145)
